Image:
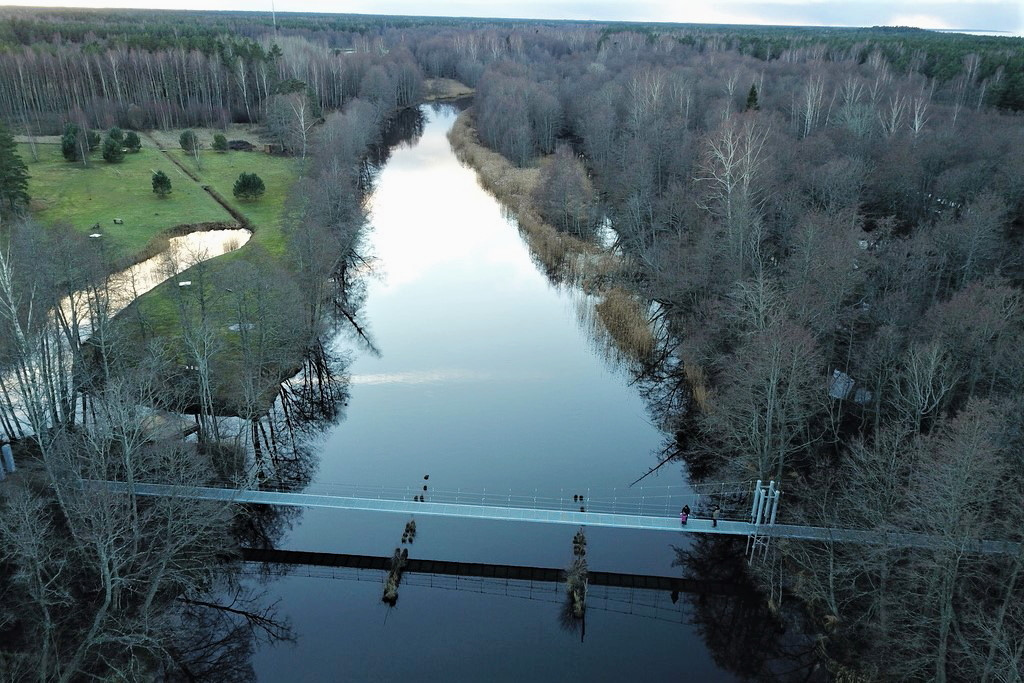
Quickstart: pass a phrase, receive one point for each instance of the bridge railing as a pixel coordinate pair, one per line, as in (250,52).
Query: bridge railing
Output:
(653,501)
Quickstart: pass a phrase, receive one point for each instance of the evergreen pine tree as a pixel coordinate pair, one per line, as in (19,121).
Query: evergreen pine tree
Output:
(113,153)
(752,103)
(69,143)
(161,184)
(13,176)
(249,186)
(132,142)
(189,142)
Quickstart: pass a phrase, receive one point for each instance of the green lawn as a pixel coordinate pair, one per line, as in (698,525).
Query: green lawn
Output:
(220,171)
(63,191)
(160,307)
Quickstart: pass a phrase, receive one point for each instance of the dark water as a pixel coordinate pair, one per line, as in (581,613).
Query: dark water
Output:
(486,379)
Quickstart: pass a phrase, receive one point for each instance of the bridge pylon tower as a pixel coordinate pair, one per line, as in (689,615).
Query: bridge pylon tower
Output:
(763,511)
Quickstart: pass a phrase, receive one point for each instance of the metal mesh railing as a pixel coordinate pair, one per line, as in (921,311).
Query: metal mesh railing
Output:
(650,501)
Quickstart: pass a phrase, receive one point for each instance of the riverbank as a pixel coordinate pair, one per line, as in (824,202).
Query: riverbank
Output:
(565,257)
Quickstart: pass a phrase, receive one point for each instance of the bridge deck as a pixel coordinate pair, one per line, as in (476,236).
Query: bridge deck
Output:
(570,517)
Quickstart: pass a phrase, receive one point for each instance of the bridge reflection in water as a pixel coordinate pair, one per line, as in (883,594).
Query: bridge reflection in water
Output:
(637,594)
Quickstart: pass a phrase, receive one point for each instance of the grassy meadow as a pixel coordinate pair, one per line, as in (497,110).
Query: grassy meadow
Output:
(68,192)
(221,170)
(160,307)
(84,196)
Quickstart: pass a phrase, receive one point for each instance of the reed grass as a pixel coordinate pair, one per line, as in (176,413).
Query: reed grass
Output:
(557,251)
(698,381)
(625,318)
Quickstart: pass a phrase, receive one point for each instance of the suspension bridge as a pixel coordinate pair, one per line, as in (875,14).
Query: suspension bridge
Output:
(655,513)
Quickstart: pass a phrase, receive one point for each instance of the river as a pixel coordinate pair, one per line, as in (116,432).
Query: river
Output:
(487,377)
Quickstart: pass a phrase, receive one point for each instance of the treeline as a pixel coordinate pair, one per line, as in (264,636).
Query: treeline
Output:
(833,252)
(146,69)
(186,29)
(169,88)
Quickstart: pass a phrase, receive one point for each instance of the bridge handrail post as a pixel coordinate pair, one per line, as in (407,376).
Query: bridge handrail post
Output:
(757,496)
(775,506)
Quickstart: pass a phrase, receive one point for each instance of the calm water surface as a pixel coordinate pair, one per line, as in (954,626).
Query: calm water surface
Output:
(486,379)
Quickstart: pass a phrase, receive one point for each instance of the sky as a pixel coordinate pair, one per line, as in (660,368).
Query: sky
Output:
(978,15)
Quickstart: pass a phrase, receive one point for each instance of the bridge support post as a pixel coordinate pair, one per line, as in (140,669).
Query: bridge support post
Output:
(761,504)
(764,511)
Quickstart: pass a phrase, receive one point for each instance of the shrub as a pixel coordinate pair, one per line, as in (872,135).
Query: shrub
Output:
(116,133)
(220,143)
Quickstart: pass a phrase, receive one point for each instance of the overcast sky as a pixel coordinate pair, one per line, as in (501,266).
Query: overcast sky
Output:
(992,15)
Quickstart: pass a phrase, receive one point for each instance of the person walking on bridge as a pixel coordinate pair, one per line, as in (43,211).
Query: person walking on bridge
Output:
(684,514)
(714,515)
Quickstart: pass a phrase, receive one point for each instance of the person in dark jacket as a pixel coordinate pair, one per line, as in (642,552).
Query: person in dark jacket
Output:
(684,514)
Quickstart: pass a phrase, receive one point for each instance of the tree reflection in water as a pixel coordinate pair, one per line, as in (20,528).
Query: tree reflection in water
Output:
(217,639)
(746,634)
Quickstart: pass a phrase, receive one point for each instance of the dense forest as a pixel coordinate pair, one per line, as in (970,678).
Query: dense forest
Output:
(825,225)
(835,248)
(138,69)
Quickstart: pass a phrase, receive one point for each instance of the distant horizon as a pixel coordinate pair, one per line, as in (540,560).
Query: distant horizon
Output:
(989,17)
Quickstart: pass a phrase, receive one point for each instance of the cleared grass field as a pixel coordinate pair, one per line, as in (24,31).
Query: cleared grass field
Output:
(160,308)
(83,197)
(69,192)
(220,171)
